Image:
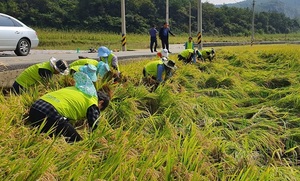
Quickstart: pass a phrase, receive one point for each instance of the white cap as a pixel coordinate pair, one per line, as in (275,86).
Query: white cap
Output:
(164,53)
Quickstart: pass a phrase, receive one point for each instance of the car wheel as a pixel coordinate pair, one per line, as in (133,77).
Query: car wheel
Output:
(23,47)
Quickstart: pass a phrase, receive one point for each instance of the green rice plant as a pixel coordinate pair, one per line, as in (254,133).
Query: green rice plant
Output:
(17,104)
(291,101)
(27,149)
(258,173)
(124,152)
(41,163)
(187,77)
(189,145)
(212,82)
(71,39)
(131,104)
(226,83)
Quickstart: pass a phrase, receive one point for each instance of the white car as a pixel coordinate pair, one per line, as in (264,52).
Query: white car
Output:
(16,36)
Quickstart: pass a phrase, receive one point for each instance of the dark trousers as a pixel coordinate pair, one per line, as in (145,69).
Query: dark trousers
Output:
(57,127)
(17,88)
(165,43)
(185,60)
(153,41)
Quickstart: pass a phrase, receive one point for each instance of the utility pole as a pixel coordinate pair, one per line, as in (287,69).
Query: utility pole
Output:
(252,36)
(123,25)
(167,11)
(199,35)
(190,18)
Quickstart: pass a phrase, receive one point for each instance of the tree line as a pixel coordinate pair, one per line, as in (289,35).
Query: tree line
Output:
(104,15)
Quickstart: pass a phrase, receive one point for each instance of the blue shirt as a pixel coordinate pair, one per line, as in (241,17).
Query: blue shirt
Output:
(160,70)
(153,32)
(165,32)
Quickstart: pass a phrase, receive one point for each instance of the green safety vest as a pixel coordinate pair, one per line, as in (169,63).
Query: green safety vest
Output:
(78,63)
(204,53)
(186,53)
(189,45)
(70,102)
(84,61)
(30,76)
(108,60)
(151,67)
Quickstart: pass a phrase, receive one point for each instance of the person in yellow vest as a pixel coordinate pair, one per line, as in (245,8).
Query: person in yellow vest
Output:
(159,70)
(189,55)
(58,111)
(189,44)
(74,66)
(105,55)
(102,68)
(208,54)
(39,73)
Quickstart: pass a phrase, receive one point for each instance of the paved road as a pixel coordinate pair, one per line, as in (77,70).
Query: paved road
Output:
(9,61)
(11,65)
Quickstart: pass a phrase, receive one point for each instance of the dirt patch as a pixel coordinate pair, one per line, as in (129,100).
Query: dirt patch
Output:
(7,78)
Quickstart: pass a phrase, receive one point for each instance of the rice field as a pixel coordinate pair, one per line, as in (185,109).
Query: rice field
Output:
(71,40)
(236,118)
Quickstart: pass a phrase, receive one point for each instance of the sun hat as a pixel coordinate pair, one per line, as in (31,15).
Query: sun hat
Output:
(164,53)
(170,64)
(102,68)
(84,84)
(90,70)
(59,65)
(103,51)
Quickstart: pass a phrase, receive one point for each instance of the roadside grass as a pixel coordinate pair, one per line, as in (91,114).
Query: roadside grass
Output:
(71,40)
(236,118)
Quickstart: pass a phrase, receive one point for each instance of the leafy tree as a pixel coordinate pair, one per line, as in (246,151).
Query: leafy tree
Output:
(104,15)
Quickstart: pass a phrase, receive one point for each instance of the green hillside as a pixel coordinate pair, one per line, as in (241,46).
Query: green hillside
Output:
(290,8)
(95,16)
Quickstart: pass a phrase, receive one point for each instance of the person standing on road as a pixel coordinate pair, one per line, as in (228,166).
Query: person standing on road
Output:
(153,38)
(39,73)
(189,44)
(164,36)
(58,111)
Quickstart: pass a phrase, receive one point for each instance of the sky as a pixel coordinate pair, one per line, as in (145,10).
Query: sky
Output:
(220,2)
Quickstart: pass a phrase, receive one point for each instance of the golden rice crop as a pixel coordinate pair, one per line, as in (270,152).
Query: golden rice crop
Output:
(236,118)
